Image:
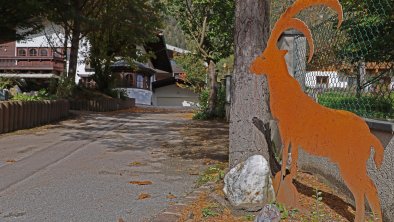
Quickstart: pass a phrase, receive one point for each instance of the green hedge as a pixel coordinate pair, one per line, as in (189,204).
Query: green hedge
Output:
(365,105)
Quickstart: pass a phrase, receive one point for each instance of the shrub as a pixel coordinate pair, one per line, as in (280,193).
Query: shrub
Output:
(202,113)
(39,96)
(220,112)
(5,83)
(364,105)
(66,88)
(116,93)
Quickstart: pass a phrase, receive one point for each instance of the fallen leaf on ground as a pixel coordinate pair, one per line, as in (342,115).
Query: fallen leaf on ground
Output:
(171,196)
(147,182)
(194,172)
(143,196)
(136,163)
(209,162)
(120,220)
(10,161)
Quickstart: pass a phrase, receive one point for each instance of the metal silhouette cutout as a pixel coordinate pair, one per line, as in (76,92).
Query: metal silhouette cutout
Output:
(341,136)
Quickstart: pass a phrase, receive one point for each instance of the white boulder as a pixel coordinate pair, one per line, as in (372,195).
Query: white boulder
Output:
(248,185)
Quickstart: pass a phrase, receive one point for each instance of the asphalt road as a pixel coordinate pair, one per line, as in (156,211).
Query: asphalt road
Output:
(80,169)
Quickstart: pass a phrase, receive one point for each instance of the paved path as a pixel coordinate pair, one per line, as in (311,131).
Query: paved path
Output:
(79,170)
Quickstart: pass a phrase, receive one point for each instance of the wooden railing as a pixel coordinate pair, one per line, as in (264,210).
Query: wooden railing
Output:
(102,105)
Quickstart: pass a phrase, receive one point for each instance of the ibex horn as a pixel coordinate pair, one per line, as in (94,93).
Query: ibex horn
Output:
(303,4)
(286,21)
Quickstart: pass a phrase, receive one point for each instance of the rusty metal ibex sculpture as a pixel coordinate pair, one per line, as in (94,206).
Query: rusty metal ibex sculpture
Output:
(341,136)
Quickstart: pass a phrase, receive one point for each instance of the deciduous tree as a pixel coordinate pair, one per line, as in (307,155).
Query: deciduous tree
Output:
(23,15)
(77,18)
(122,25)
(210,25)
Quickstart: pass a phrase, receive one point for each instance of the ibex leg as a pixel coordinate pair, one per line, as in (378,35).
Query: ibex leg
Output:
(285,156)
(356,186)
(373,198)
(294,160)
(279,176)
(360,207)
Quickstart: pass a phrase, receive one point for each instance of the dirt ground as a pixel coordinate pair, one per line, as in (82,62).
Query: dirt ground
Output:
(208,140)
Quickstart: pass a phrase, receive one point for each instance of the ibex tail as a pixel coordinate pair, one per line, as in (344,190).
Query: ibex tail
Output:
(379,151)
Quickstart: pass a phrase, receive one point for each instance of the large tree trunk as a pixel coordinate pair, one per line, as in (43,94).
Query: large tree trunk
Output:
(65,48)
(213,86)
(76,33)
(72,66)
(250,95)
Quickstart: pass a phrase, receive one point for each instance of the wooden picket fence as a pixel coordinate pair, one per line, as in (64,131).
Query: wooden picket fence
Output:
(16,115)
(102,105)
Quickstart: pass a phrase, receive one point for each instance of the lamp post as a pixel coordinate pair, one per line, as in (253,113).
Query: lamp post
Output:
(227,85)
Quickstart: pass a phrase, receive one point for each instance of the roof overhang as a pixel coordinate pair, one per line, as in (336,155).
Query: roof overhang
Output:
(85,75)
(159,71)
(166,82)
(30,75)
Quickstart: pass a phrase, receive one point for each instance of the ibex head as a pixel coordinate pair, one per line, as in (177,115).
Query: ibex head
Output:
(268,62)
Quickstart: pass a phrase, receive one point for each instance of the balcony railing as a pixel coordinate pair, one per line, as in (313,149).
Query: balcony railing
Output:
(31,63)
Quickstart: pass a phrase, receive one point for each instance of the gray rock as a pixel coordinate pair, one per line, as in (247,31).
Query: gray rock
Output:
(269,213)
(248,185)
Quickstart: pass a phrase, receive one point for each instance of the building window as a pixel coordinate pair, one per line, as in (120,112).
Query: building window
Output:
(32,52)
(58,53)
(129,80)
(140,81)
(322,81)
(147,83)
(21,52)
(43,52)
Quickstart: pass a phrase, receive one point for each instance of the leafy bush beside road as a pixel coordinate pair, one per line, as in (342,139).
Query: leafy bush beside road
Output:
(38,96)
(369,106)
(220,112)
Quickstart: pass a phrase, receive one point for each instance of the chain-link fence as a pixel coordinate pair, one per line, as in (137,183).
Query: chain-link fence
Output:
(353,67)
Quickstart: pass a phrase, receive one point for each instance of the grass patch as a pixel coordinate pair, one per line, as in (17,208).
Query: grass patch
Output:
(249,217)
(214,173)
(209,211)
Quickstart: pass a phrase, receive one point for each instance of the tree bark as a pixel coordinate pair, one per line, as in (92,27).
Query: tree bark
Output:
(76,33)
(250,95)
(212,100)
(65,49)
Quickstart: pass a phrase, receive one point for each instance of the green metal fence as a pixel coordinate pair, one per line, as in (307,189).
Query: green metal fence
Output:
(353,67)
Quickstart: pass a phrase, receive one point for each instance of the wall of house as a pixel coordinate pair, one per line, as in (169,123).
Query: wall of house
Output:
(7,49)
(174,95)
(333,80)
(141,96)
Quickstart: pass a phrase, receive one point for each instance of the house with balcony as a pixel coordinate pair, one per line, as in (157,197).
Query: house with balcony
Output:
(39,57)
(30,60)
(154,82)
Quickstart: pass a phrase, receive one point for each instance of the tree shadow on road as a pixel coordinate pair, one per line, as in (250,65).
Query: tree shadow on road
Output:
(201,140)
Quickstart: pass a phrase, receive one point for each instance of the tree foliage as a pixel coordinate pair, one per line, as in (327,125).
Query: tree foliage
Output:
(121,26)
(208,23)
(369,26)
(77,18)
(196,71)
(174,34)
(24,15)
